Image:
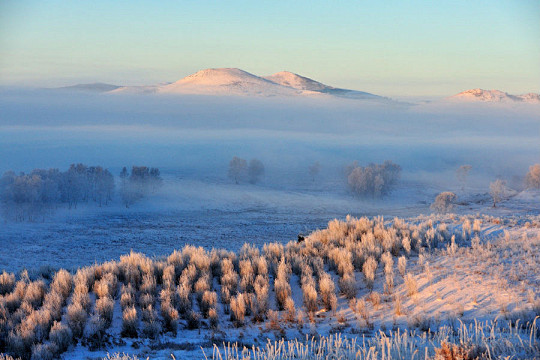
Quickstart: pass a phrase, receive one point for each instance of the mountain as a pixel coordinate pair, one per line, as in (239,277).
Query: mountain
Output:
(227,81)
(494,96)
(233,81)
(94,87)
(299,82)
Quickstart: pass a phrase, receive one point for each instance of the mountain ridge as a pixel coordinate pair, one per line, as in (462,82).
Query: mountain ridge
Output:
(497,96)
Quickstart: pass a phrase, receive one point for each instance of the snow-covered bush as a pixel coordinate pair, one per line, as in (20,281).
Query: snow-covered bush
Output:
(238,309)
(497,190)
(170,316)
(62,283)
(76,319)
(151,327)
(402,265)
(104,309)
(7,283)
(209,301)
(35,293)
(411,285)
(369,271)
(327,291)
(347,285)
(444,202)
(61,336)
(532,179)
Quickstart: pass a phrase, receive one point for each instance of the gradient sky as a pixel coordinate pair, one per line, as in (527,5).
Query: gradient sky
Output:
(386,47)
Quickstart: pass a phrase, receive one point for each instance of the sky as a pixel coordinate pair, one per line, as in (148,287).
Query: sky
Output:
(391,48)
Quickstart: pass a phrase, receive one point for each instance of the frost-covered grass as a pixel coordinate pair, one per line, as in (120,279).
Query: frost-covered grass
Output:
(477,340)
(375,278)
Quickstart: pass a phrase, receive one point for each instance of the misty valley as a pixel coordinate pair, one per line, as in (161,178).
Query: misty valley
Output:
(202,226)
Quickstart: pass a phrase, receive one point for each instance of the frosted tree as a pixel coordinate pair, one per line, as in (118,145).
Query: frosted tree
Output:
(373,180)
(444,202)
(255,170)
(533,177)
(462,173)
(497,190)
(314,170)
(237,169)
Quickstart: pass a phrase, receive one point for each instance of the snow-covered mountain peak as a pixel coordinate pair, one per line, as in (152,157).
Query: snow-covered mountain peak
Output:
(495,96)
(287,78)
(219,76)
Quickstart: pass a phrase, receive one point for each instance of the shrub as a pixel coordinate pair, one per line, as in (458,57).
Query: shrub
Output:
(310,296)
(44,351)
(193,321)
(151,328)
(146,300)
(375,298)
(327,291)
(532,179)
(444,202)
(130,322)
(238,309)
(61,336)
(261,298)
(7,283)
(347,285)
(76,318)
(148,285)
(214,320)
(368,269)
(62,283)
(170,316)
(283,291)
(34,294)
(127,297)
(410,284)
(184,297)
(290,309)
(402,265)
(209,301)
(201,286)
(104,309)
(169,277)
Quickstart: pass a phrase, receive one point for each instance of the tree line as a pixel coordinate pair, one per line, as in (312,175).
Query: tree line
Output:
(27,196)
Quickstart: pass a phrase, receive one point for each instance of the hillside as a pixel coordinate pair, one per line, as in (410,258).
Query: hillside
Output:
(494,96)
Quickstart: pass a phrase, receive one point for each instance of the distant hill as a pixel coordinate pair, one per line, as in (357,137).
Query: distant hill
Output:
(494,96)
(94,87)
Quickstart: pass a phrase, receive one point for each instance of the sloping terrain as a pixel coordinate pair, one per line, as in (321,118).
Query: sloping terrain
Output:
(494,96)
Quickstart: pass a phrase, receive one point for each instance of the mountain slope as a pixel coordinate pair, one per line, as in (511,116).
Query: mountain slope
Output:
(494,96)
(299,82)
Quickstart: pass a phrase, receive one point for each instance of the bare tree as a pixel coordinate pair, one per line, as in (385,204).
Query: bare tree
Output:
(444,202)
(237,169)
(314,170)
(255,170)
(533,177)
(497,190)
(462,172)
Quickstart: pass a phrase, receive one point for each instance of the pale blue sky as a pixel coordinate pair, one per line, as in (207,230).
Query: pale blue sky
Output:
(385,47)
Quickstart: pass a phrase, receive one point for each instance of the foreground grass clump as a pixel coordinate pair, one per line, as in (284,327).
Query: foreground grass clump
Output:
(356,262)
